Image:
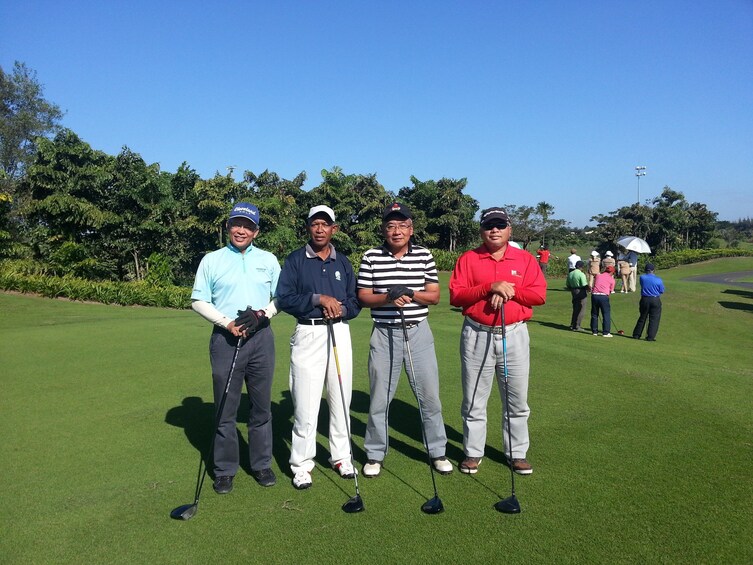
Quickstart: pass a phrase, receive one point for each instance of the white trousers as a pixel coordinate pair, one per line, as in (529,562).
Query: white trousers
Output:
(312,365)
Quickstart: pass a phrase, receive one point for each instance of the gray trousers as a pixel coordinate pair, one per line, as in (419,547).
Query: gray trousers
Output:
(387,356)
(256,366)
(482,358)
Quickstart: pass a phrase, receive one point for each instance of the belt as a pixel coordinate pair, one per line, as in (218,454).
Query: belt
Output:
(496,330)
(318,321)
(397,325)
(598,294)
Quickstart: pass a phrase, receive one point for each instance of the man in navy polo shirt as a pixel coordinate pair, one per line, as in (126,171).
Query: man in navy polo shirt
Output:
(239,277)
(318,287)
(652,287)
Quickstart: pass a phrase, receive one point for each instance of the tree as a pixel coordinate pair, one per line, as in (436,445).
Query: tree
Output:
(24,116)
(523,221)
(544,210)
(444,210)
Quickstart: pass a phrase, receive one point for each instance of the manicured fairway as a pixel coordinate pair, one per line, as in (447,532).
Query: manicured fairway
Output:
(642,452)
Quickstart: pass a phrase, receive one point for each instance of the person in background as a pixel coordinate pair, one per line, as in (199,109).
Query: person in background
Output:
(578,286)
(572,259)
(318,287)
(652,287)
(632,258)
(240,279)
(594,267)
(600,291)
(623,269)
(542,256)
(608,261)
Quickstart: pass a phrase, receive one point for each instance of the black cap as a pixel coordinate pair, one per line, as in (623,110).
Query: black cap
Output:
(649,267)
(491,214)
(579,264)
(397,209)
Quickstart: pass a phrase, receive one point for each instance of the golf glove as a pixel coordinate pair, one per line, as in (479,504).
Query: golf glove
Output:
(248,320)
(397,291)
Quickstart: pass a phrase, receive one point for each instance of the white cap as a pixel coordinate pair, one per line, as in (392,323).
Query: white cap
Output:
(609,254)
(322,210)
(512,243)
(594,253)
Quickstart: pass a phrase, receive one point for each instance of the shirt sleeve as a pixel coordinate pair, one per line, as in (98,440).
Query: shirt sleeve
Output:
(290,298)
(463,292)
(351,305)
(533,290)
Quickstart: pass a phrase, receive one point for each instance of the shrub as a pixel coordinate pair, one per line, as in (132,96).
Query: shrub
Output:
(106,292)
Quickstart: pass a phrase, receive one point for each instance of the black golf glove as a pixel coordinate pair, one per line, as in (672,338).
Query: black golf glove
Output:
(397,291)
(248,320)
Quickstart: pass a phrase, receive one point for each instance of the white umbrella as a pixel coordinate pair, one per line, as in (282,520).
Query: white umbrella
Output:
(632,243)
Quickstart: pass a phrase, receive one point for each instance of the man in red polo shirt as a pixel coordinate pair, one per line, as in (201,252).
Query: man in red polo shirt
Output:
(485,280)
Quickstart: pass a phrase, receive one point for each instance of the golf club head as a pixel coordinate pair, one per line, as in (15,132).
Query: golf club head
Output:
(432,506)
(621,332)
(508,505)
(185,512)
(354,505)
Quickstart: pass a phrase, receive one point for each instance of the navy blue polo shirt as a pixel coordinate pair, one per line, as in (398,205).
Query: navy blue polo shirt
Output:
(305,277)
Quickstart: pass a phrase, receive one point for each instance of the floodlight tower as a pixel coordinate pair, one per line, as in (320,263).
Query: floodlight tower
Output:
(640,172)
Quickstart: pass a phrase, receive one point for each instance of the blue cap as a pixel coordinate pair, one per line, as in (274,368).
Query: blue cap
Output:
(245,210)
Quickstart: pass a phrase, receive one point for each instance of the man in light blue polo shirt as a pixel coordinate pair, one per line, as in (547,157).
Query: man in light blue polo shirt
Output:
(240,278)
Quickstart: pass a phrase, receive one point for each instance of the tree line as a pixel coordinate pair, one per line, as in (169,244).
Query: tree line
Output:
(82,212)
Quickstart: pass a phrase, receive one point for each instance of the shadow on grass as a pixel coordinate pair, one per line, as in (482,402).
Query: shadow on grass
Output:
(736,306)
(197,419)
(743,293)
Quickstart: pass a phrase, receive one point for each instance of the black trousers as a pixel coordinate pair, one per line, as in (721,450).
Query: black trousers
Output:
(579,307)
(256,366)
(650,309)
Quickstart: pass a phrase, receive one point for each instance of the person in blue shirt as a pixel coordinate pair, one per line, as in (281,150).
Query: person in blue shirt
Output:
(240,277)
(652,287)
(318,287)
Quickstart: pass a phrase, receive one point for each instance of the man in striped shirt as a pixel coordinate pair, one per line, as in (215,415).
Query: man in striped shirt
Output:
(401,275)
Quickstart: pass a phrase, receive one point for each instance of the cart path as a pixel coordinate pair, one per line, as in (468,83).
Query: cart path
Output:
(725,278)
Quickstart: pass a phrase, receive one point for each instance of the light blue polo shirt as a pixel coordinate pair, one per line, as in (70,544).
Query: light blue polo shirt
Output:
(232,281)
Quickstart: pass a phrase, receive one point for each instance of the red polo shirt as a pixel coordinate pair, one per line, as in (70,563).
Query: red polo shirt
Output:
(476,270)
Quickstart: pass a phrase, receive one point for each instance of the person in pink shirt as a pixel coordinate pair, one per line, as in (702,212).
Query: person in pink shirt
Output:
(603,286)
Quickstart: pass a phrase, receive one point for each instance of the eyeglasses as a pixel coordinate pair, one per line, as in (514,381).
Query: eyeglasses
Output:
(400,226)
(498,225)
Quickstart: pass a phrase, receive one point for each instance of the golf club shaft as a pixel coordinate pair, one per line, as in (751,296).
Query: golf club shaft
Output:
(217,420)
(412,376)
(346,412)
(507,395)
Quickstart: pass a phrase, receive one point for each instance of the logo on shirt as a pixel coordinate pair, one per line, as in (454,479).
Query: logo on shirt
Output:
(515,273)
(337,275)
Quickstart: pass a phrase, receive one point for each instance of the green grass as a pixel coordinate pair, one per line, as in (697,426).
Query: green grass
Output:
(642,451)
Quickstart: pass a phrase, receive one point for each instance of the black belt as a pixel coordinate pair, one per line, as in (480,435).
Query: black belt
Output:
(318,321)
(397,326)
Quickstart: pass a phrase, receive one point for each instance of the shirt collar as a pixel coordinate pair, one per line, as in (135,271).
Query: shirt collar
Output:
(311,254)
(234,249)
(388,252)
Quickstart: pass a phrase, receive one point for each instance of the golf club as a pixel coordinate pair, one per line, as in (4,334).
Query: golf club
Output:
(433,505)
(187,511)
(354,504)
(509,505)
(621,332)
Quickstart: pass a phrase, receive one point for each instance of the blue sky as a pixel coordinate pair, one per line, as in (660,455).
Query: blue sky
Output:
(552,101)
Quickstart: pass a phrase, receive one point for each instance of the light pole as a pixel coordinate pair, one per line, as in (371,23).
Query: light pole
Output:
(640,172)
